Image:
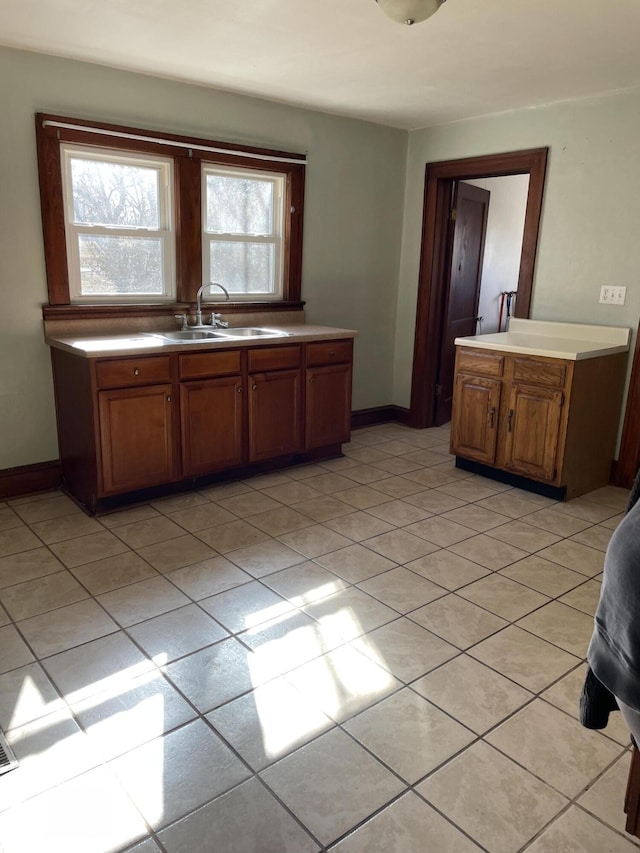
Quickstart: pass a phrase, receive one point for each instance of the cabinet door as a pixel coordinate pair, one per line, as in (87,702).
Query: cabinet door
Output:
(136,438)
(533,431)
(474,422)
(275,414)
(211,419)
(328,405)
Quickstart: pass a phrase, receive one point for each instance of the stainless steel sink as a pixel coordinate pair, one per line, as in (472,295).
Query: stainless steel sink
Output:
(194,336)
(250,332)
(188,336)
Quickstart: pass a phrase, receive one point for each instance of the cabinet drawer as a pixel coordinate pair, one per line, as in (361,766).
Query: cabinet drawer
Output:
(480,361)
(273,358)
(128,372)
(537,372)
(329,352)
(203,364)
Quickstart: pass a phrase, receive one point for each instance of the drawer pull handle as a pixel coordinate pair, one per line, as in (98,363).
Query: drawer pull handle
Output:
(492,417)
(136,371)
(509,420)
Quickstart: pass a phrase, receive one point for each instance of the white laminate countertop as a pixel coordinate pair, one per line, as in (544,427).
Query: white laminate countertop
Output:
(572,341)
(101,346)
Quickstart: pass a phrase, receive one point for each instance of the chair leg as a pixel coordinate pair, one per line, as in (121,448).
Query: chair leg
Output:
(632,795)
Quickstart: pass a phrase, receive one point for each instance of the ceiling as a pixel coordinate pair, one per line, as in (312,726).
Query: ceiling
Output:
(473,57)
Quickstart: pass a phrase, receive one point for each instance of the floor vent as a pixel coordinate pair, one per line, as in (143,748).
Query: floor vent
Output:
(8,760)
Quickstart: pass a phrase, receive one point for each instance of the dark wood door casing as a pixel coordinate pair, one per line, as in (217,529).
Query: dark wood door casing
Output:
(468,232)
(439,179)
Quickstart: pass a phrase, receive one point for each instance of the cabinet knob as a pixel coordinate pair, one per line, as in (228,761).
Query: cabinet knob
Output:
(311,380)
(239,389)
(136,371)
(253,387)
(169,398)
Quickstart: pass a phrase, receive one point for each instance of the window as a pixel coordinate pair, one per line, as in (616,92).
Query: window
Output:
(136,222)
(242,231)
(118,226)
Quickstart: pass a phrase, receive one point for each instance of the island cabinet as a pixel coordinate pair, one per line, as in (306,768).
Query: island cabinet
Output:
(130,423)
(552,421)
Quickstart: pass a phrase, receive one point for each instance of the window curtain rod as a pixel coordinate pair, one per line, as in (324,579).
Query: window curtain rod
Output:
(160,141)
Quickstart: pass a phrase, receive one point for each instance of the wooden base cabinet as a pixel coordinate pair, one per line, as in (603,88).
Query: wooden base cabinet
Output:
(275,402)
(130,423)
(211,417)
(474,424)
(328,393)
(136,438)
(553,421)
(212,411)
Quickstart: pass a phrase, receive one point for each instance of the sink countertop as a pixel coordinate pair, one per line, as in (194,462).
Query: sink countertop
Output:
(101,346)
(572,341)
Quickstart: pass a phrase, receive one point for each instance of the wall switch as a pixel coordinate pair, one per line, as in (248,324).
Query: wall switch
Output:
(613,295)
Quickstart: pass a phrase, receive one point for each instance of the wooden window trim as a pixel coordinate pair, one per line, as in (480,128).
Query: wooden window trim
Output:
(187,211)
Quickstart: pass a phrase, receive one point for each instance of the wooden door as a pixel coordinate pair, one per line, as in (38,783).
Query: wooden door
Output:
(474,425)
(470,210)
(533,431)
(136,438)
(275,414)
(328,405)
(211,418)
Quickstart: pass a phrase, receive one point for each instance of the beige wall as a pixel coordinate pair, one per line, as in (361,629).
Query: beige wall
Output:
(353,218)
(590,216)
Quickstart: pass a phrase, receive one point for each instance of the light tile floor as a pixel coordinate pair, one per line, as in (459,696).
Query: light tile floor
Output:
(377,653)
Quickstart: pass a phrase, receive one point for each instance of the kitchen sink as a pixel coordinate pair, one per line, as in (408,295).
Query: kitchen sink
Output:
(189,336)
(249,332)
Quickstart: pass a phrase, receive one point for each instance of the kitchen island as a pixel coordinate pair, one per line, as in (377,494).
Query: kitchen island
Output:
(539,406)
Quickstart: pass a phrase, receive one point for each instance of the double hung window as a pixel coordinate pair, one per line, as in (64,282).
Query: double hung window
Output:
(242,237)
(118,225)
(131,218)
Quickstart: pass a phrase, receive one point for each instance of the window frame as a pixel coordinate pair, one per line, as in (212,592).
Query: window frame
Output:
(164,232)
(187,155)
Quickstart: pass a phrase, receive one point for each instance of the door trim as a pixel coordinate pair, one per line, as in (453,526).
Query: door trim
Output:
(626,468)
(439,178)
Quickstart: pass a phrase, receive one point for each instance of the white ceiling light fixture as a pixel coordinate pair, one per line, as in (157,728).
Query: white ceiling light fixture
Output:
(409,11)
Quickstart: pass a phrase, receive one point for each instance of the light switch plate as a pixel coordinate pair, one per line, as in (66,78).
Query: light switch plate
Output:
(612,295)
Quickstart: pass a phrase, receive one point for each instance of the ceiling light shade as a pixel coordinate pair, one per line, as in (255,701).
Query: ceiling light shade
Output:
(409,11)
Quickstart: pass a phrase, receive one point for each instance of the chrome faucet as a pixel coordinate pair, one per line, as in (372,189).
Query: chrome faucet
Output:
(215,318)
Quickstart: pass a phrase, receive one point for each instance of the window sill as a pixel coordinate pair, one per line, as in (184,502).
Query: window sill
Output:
(107,312)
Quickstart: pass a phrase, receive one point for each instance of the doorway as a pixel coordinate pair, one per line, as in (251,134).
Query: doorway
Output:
(433,288)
